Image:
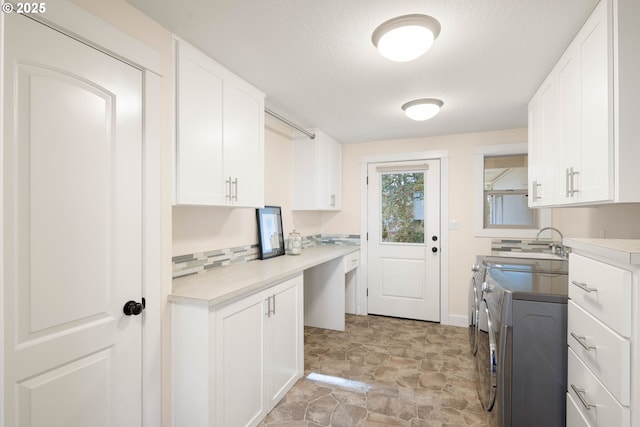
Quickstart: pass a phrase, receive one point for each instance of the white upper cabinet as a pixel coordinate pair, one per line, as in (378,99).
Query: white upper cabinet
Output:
(582,133)
(542,129)
(219,150)
(317,173)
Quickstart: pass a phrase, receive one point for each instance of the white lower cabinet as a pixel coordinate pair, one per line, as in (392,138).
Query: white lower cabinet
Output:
(603,333)
(231,365)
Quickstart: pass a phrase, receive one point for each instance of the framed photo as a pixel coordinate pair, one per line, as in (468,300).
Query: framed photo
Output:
(270,235)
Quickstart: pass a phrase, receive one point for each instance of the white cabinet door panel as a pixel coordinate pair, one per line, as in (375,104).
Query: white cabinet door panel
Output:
(199,106)
(285,339)
(240,367)
(72,231)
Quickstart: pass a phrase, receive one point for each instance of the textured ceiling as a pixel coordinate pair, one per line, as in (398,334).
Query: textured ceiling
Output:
(315,61)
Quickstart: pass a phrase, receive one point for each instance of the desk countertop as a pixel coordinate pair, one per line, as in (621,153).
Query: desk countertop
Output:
(223,285)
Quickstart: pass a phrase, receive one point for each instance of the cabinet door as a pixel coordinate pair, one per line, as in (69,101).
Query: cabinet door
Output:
(244,143)
(240,366)
(285,339)
(569,147)
(336,175)
(329,167)
(199,104)
(595,181)
(542,143)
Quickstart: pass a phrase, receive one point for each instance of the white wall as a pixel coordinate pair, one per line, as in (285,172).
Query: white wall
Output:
(617,221)
(463,245)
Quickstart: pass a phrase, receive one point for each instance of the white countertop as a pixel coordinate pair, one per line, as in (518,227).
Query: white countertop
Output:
(626,251)
(222,285)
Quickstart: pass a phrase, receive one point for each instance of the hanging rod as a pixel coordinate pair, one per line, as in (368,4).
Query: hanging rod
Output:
(289,123)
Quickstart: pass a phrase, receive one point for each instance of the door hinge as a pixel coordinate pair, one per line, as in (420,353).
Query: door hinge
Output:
(367,236)
(367,291)
(367,180)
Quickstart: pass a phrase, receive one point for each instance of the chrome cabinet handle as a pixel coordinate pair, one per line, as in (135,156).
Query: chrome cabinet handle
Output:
(584,286)
(570,183)
(573,182)
(582,341)
(332,200)
(228,182)
(534,188)
(580,392)
(271,305)
(235,186)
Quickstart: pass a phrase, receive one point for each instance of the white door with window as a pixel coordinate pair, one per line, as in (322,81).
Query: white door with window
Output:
(72,232)
(403,243)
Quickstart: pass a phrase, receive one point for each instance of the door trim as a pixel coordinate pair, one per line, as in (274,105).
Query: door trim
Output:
(443,156)
(76,22)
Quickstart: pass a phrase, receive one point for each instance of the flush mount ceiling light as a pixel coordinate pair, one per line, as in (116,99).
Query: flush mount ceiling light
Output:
(406,37)
(422,109)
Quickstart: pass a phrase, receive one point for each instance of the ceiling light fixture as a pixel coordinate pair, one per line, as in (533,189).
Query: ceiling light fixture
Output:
(406,37)
(422,109)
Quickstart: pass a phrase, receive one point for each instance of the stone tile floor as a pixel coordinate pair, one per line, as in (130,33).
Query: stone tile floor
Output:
(383,371)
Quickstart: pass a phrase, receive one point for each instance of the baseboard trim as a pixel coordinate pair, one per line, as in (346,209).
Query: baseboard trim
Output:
(458,320)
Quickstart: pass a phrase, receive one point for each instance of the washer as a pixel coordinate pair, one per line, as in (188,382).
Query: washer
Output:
(521,359)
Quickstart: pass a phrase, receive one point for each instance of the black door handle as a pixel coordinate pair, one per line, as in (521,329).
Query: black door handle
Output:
(133,308)
(434,249)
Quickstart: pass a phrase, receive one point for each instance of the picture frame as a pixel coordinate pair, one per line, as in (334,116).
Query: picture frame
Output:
(270,233)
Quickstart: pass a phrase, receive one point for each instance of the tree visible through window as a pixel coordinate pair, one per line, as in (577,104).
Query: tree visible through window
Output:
(402,203)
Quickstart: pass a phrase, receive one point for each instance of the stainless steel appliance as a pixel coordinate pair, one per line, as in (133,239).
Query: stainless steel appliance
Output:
(521,342)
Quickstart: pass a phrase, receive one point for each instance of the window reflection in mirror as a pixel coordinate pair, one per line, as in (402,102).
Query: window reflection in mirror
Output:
(506,193)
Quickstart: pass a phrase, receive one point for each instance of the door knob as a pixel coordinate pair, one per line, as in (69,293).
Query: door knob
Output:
(133,308)
(434,249)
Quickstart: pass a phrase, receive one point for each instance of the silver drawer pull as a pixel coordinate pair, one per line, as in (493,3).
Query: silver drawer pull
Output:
(580,392)
(584,286)
(582,341)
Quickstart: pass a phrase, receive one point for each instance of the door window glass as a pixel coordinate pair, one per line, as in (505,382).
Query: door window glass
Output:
(402,204)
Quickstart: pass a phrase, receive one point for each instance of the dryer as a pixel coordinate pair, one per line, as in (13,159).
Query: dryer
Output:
(522,355)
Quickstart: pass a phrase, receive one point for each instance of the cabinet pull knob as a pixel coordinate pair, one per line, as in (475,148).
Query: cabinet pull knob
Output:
(584,286)
(582,341)
(580,392)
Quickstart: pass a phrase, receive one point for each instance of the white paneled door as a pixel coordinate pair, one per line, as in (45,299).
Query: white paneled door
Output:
(404,239)
(72,230)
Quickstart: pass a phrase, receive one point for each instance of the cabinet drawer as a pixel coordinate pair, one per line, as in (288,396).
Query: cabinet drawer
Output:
(351,261)
(603,290)
(606,353)
(574,416)
(593,401)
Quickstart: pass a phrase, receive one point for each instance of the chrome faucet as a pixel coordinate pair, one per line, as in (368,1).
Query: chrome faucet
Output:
(563,251)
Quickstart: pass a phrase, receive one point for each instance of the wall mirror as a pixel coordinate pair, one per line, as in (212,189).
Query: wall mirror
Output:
(270,234)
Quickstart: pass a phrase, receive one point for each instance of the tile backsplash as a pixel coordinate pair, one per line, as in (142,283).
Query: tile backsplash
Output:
(521,245)
(184,265)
